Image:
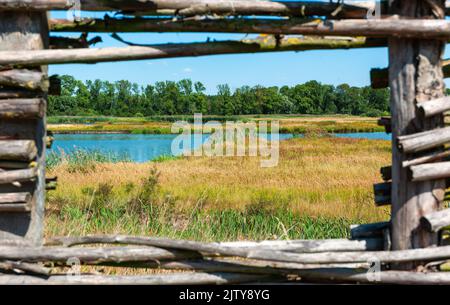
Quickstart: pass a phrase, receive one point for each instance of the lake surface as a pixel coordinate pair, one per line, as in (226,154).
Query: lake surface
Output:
(142,148)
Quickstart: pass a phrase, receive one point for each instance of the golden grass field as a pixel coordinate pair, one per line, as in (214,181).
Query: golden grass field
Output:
(319,187)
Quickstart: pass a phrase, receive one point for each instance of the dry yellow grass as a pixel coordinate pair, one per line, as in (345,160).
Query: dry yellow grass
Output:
(326,177)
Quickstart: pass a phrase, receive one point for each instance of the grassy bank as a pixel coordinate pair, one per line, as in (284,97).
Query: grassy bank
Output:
(318,189)
(162,124)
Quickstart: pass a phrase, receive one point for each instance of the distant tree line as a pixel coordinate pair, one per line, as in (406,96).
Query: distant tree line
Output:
(124,98)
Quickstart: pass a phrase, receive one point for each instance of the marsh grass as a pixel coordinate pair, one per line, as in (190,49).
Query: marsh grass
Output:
(320,186)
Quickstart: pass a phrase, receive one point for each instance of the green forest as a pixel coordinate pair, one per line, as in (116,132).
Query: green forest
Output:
(127,99)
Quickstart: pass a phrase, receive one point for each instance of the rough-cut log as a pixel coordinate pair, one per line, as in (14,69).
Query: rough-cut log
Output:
(21,78)
(93,255)
(17,150)
(291,246)
(437,106)
(370,230)
(22,108)
(421,141)
(386,173)
(419,28)
(20,267)
(185,278)
(17,175)
(35,5)
(14,198)
(386,122)
(172,50)
(436,221)
(415,76)
(434,156)
(379,78)
(399,256)
(431,171)
(15,208)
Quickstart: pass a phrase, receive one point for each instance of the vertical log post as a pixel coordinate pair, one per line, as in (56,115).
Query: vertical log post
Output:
(24,30)
(415,76)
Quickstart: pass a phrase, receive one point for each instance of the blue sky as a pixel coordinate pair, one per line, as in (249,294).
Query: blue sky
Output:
(268,69)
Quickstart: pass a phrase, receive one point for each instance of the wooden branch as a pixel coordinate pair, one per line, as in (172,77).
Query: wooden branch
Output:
(19,175)
(433,107)
(22,108)
(24,268)
(413,28)
(290,246)
(423,140)
(370,230)
(44,57)
(35,5)
(17,150)
(15,208)
(93,255)
(436,221)
(430,171)
(185,278)
(433,156)
(25,79)
(379,78)
(9,198)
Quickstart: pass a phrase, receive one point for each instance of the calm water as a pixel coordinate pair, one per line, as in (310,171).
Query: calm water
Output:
(142,148)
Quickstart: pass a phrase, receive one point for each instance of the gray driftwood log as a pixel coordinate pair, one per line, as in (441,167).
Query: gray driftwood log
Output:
(429,171)
(17,175)
(14,198)
(434,156)
(423,140)
(22,78)
(433,107)
(22,108)
(17,150)
(15,207)
(436,221)
(35,5)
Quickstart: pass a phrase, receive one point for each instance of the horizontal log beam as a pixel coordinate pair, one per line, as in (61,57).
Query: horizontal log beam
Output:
(35,5)
(15,208)
(412,28)
(26,268)
(436,221)
(44,57)
(430,171)
(10,198)
(370,230)
(433,107)
(379,78)
(17,150)
(7,93)
(434,156)
(22,108)
(423,140)
(298,246)
(19,175)
(24,79)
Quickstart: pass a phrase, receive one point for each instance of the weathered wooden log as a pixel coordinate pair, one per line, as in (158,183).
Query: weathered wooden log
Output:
(35,5)
(434,156)
(417,28)
(429,171)
(7,93)
(386,122)
(17,150)
(185,278)
(17,175)
(15,165)
(386,173)
(22,78)
(399,256)
(290,246)
(423,140)
(21,267)
(433,107)
(436,221)
(14,198)
(370,230)
(93,255)
(22,108)
(176,50)
(15,208)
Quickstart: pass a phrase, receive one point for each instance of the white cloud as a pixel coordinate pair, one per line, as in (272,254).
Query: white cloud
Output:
(187,70)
